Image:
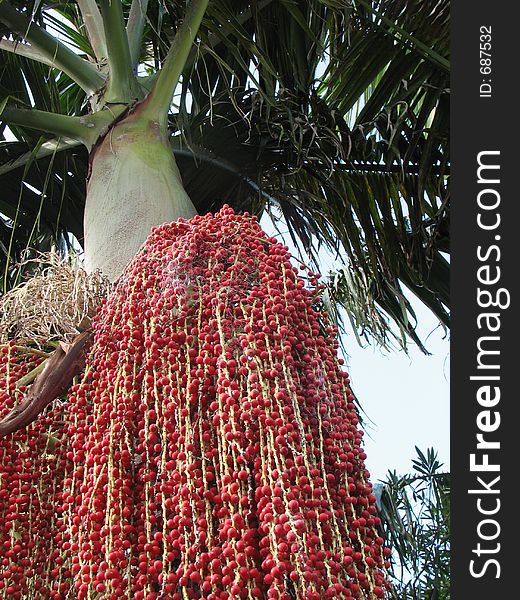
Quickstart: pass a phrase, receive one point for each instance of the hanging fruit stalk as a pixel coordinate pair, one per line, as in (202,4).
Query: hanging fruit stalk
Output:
(214,439)
(31,478)
(52,378)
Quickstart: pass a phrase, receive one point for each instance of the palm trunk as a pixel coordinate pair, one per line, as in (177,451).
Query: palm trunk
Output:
(134,185)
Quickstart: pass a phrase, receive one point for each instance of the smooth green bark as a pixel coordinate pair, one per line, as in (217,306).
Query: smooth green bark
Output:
(133,186)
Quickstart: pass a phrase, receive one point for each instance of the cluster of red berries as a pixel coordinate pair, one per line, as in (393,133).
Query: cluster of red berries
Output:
(211,449)
(213,441)
(31,562)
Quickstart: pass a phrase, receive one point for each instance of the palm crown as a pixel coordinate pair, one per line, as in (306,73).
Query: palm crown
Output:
(332,115)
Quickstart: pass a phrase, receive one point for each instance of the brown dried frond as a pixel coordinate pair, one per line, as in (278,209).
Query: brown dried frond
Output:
(55,303)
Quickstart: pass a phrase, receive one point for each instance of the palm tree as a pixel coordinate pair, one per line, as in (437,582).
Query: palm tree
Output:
(204,398)
(330,115)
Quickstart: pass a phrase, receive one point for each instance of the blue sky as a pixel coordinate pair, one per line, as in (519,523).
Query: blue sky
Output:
(405,397)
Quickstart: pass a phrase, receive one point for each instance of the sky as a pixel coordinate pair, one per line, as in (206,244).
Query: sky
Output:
(405,397)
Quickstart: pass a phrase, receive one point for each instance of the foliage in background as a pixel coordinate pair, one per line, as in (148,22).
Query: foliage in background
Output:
(415,511)
(332,115)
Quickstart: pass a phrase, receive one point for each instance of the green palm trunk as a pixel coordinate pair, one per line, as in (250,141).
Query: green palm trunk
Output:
(134,185)
(133,182)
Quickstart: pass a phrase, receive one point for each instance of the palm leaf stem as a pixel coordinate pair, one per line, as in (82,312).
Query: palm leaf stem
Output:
(160,98)
(85,129)
(121,81)
(94,27)
(46,149)
(81,71)
(26,50)
(135,28)
(372,167)
(199,154)
(46,121)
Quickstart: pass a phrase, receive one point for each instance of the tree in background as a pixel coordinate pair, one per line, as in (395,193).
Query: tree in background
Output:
(415,510)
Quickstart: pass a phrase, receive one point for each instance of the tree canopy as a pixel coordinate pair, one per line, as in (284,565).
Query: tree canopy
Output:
(332,115)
